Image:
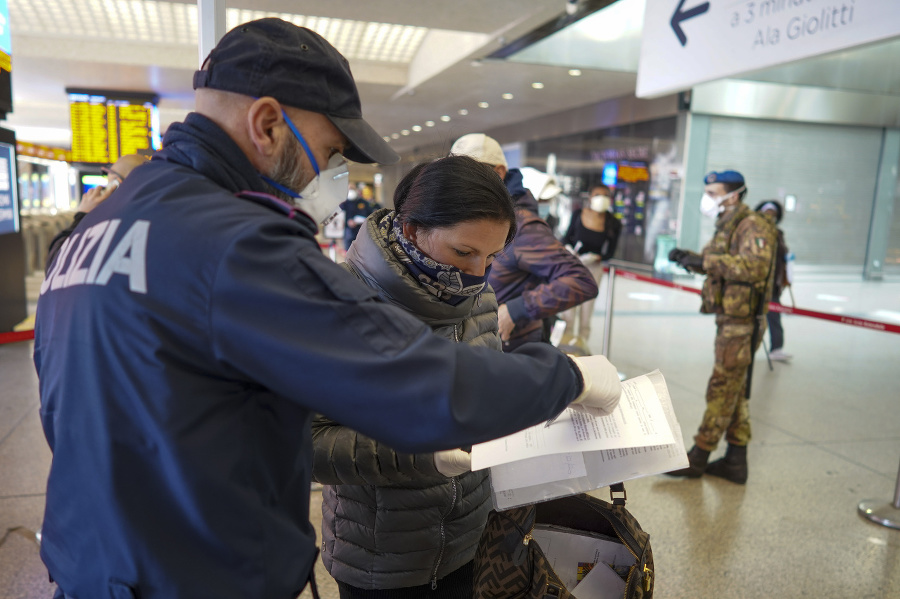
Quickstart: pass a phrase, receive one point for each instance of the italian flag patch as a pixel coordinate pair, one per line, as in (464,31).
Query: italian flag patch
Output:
(761,242)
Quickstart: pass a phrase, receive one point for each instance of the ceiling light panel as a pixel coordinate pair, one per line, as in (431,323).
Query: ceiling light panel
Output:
(175,23)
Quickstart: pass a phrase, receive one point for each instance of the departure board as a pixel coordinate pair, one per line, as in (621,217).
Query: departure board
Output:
(107,124)
(5,61)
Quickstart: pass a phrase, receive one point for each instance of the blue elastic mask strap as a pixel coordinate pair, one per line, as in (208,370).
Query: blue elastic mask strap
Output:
(302,141)
(281,188)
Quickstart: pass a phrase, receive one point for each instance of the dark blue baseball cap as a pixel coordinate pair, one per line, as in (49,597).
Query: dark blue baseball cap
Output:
(299,68)
(724,177)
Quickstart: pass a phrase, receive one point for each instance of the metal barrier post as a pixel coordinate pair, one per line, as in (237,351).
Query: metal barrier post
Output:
(886,514)
(607,317)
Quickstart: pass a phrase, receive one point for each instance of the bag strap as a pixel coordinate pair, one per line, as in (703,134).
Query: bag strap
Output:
(517,525)
(311,580)
(644,572)
(614,494)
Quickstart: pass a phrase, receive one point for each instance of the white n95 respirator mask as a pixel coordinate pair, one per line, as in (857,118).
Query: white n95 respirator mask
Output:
(712,207)
(322,196)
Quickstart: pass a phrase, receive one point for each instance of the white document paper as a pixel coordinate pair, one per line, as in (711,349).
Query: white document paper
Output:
(638,421)
(521,482)
(567,552)
(600,583)
(542,469)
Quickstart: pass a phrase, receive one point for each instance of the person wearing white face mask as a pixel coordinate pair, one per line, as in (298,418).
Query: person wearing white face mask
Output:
(190,326)
(593,235)
(739,267)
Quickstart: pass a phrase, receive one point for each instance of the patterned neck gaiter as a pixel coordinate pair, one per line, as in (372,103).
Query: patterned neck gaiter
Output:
(445,282)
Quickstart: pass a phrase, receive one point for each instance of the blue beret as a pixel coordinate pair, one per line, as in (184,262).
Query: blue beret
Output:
(724,177)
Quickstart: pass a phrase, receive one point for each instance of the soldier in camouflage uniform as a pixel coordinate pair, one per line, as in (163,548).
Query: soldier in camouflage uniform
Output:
(739,266)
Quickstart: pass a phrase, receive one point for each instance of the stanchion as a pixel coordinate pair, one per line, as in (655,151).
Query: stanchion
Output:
(885,514)
(607,318)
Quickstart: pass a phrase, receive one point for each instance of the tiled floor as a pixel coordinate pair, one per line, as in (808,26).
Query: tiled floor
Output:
(826,436)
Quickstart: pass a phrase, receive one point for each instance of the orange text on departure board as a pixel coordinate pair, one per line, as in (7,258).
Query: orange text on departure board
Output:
(104,129)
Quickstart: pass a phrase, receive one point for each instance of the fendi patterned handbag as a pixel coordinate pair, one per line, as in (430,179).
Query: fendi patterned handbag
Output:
(558,548)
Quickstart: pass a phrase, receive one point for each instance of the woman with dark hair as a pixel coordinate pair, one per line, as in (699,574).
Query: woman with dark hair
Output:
(592,236)
(400,525)
(773,210)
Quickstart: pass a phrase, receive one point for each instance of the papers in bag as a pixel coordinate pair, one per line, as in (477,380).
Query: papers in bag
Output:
(585,452)
(590,566)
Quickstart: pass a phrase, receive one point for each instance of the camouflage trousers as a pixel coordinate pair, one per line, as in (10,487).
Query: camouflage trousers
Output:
(727,410)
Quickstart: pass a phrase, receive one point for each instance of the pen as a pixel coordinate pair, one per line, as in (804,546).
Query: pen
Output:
(552,420)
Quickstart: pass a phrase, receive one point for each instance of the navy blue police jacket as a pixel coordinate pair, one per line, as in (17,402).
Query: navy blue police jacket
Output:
(184,337)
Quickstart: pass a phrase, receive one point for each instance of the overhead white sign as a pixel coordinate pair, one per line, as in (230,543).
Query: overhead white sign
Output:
(686,42)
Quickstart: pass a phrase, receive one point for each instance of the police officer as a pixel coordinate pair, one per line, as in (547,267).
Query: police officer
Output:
(190,326)
(739,266)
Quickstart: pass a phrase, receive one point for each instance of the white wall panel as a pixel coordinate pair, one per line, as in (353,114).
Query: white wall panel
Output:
(830,169)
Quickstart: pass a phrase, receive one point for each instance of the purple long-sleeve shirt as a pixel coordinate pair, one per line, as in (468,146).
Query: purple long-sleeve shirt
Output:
(536,276)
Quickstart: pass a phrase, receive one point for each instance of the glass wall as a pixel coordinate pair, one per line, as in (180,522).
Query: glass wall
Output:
(640,162)
(825,173)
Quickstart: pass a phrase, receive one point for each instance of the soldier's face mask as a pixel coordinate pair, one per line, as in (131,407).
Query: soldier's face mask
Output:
(711,206)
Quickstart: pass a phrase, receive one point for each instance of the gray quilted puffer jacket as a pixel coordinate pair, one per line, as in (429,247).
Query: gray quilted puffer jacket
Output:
(390,519)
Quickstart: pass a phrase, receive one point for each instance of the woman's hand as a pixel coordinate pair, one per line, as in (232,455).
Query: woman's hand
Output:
(94,196)
(505,322)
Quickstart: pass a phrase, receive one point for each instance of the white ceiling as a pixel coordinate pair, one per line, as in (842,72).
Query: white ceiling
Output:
(414,60)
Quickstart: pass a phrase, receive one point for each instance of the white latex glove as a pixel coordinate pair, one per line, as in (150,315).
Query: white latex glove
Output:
(601,383)
(452,462)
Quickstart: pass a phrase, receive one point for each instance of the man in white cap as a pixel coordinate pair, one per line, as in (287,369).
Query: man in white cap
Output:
(536,277)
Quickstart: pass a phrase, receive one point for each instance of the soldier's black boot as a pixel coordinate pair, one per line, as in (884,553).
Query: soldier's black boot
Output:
(697,458)
(733,466)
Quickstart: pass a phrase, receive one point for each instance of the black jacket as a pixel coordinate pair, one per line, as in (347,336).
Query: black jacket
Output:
(390,519)
(603,243)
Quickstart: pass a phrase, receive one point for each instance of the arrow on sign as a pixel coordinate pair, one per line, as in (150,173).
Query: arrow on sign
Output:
(679,16)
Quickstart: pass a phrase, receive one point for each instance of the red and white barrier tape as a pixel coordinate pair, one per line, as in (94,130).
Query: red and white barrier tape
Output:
(16,336)
(851,320)
(872,325)
(625,274)
(855,321)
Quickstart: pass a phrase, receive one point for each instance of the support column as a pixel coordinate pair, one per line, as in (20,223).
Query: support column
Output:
(210,25)
(883,206)
(695,155)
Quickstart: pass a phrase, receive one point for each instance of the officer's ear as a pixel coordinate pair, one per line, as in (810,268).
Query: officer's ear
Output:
(265,127)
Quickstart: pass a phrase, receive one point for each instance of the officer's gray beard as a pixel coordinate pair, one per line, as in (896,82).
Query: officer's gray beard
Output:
(287,172)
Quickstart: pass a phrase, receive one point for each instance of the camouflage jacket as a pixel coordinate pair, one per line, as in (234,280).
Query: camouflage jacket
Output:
(739,264)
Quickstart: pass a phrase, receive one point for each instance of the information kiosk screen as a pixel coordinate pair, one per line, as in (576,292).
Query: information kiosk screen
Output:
(9,201)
